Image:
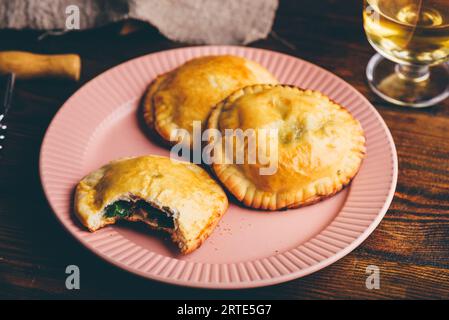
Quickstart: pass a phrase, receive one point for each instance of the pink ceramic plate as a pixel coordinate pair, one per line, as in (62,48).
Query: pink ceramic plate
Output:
(249,248)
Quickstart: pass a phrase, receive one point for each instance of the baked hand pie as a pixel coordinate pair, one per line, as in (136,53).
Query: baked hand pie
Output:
(186,94)
(177,197)
(319,146)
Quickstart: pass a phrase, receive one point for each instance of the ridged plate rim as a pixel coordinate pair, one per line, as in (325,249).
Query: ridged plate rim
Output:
(290,260)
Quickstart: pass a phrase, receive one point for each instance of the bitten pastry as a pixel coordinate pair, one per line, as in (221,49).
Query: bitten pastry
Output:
(320,146)
(177,197)
(175,99)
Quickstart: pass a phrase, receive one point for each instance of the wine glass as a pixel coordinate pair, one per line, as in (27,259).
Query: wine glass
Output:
(412,41)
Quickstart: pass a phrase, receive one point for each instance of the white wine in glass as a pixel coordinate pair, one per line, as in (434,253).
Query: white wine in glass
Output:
(412,38)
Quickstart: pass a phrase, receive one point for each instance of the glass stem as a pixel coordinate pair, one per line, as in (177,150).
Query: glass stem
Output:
(413,73)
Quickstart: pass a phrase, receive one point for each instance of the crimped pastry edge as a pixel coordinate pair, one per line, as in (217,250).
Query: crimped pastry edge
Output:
(246,192)
(186,246)
(163,128)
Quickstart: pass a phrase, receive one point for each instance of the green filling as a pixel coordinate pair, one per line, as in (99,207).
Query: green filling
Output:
(120,209)
(123,209)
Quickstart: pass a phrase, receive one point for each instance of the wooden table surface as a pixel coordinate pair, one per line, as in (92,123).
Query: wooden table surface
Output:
(410,246)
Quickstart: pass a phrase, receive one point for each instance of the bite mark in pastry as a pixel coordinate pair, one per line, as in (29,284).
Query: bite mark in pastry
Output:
(320,146)
(177,197)
(186,94)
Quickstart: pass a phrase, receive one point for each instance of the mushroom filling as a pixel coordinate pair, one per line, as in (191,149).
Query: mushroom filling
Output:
(125,209)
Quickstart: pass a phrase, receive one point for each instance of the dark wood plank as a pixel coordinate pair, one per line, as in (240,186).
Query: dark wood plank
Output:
(410,246)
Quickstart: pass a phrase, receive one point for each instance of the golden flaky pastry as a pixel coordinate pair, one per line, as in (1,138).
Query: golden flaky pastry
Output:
(177,98)
(320,146)
(177,197)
